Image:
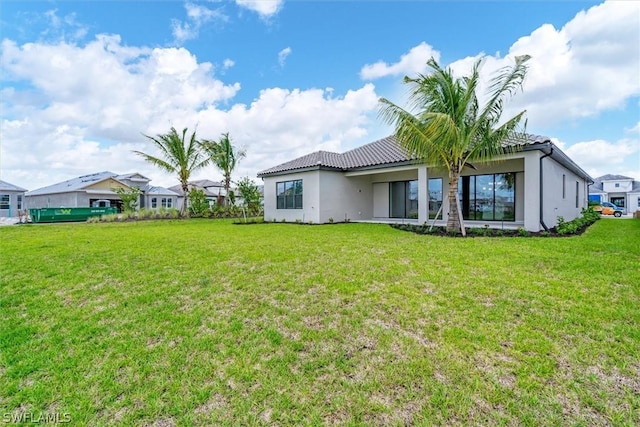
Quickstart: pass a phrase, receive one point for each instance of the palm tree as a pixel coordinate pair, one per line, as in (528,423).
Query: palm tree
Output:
(180,155)
(448,128)
(224,156)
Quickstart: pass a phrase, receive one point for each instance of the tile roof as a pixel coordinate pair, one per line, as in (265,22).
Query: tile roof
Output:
(385,151)
(318,158)
(4,185)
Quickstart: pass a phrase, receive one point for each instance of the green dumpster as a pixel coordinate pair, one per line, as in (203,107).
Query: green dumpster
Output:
(67,214)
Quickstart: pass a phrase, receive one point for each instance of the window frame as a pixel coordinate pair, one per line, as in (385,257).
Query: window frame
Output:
(5,201)
(295,198)
(471,204)
(435,200)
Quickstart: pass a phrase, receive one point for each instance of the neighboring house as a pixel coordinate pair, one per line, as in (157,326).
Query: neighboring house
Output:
(379,182)
(620,190)
(97,190)
(213,190)
(11,199)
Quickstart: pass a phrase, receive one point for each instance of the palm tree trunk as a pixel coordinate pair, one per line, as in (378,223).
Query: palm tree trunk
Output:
(454,220)
(227,185)
(184,212)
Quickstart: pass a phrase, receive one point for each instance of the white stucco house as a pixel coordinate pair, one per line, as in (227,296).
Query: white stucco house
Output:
(97,190)
(622,191)
(379,182)
(11,199)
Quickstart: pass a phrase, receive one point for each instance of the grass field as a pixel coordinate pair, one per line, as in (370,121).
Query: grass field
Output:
(204,322)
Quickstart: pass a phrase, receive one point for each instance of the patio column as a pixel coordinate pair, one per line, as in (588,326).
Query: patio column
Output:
(532,190)
(423,194)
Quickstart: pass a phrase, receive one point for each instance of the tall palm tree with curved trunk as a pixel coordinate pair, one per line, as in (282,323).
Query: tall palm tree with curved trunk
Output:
(224,156)
(445,125)
(180,155)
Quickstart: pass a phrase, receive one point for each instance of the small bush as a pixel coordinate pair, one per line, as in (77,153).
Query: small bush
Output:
(589,216)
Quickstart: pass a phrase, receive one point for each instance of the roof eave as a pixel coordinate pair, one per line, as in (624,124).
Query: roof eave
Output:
(297,170)
(559,156)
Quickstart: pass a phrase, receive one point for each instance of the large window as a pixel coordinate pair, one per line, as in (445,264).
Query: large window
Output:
(4,201)
(403,198)
(154,202)
(289,194)
(435,197)
(166,202)
(488,197)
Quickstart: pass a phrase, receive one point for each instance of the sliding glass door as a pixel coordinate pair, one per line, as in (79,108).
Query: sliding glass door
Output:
(403,199)
(488,197)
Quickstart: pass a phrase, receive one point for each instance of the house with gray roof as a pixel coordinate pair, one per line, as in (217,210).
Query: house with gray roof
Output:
(622,191)
(213,190)
(97,190)
(11,199)
(380,182)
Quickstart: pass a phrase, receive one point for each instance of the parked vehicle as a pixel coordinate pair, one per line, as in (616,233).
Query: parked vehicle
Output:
(607,208)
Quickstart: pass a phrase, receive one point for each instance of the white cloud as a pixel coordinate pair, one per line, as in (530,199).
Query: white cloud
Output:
(410,63)
(282,124)
(600,157)
(63,28)
(265,8)
(588,66)
(95,101)
(228,63)
(633,129)
(198,16)
(282,55)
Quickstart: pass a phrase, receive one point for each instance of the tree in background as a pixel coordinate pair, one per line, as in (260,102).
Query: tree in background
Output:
(225,157)
(446,126)
(198,203)
(250,193)
(179,155)
(129,197)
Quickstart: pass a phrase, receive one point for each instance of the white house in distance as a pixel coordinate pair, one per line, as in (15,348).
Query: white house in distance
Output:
(96,190)
(379,182)
(622,191)
(11,199)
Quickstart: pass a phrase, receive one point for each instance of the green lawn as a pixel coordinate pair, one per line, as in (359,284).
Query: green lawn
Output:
(204,322)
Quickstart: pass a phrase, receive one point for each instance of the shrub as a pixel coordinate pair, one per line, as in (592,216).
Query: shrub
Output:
(145,213)
(589,216)
(476,231)
(198,204)
(250,194)
(129,197)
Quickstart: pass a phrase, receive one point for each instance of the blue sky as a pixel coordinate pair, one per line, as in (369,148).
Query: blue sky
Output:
(81,81)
